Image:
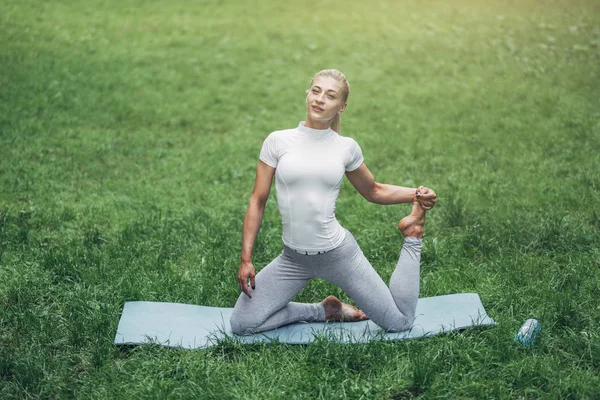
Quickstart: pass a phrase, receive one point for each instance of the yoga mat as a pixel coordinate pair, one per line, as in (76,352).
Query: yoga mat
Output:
(192,327)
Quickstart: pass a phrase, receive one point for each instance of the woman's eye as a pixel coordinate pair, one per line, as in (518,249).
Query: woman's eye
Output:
(331,97)
(315,91)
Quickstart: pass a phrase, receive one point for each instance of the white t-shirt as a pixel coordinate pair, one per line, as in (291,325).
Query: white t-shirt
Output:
(310,166)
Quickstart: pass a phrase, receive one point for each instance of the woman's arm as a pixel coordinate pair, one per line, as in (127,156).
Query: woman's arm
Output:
(381,193)
(252,221)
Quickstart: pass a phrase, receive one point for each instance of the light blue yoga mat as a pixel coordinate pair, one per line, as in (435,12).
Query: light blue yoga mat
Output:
(192,327)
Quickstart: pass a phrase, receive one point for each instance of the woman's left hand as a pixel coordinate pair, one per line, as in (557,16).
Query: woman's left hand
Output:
(427,197)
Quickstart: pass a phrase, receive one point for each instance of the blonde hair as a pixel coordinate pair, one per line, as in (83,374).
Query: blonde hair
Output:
(336,124)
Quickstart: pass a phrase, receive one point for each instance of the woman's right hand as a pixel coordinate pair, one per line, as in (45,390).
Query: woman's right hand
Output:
(245,273)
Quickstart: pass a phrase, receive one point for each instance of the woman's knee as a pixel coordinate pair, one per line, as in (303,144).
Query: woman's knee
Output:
(396,327)
(397,324)
(237,325)
(244,322)
(241,325)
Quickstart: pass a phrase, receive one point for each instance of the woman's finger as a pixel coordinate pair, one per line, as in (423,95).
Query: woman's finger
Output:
(243,282)
(246,290)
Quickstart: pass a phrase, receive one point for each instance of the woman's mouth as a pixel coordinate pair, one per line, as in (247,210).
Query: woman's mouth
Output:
(317,109)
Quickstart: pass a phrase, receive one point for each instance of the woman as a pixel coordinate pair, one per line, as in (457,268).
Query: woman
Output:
(309,163)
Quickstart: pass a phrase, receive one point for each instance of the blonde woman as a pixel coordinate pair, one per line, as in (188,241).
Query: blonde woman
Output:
(309,163)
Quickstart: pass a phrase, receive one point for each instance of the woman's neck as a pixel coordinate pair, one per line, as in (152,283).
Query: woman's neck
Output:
(313,124)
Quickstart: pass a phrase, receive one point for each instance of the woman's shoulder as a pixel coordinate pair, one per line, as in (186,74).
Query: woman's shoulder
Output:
(347,141)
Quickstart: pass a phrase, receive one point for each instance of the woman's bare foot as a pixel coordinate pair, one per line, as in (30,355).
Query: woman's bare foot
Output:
(335,310)
(413,224)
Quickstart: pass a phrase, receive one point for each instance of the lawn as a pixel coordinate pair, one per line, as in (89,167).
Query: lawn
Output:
(129,137)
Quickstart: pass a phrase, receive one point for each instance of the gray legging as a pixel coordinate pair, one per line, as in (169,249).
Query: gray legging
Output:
(346,266)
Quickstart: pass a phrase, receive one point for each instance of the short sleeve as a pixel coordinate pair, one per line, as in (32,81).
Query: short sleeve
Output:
(356,157)
(268,153)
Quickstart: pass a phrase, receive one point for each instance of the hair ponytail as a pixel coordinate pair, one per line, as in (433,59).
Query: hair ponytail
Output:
(336,124)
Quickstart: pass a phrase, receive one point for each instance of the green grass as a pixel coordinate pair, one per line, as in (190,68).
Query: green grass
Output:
(129,135)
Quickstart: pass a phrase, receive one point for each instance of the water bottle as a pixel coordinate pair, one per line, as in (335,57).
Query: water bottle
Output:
(528,332)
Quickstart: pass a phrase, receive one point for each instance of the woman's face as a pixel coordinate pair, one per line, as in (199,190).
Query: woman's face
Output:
(324,99)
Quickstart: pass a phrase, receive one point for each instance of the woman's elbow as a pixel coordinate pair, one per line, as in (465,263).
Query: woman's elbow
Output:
(258,203)
(373,195)
(370,198)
